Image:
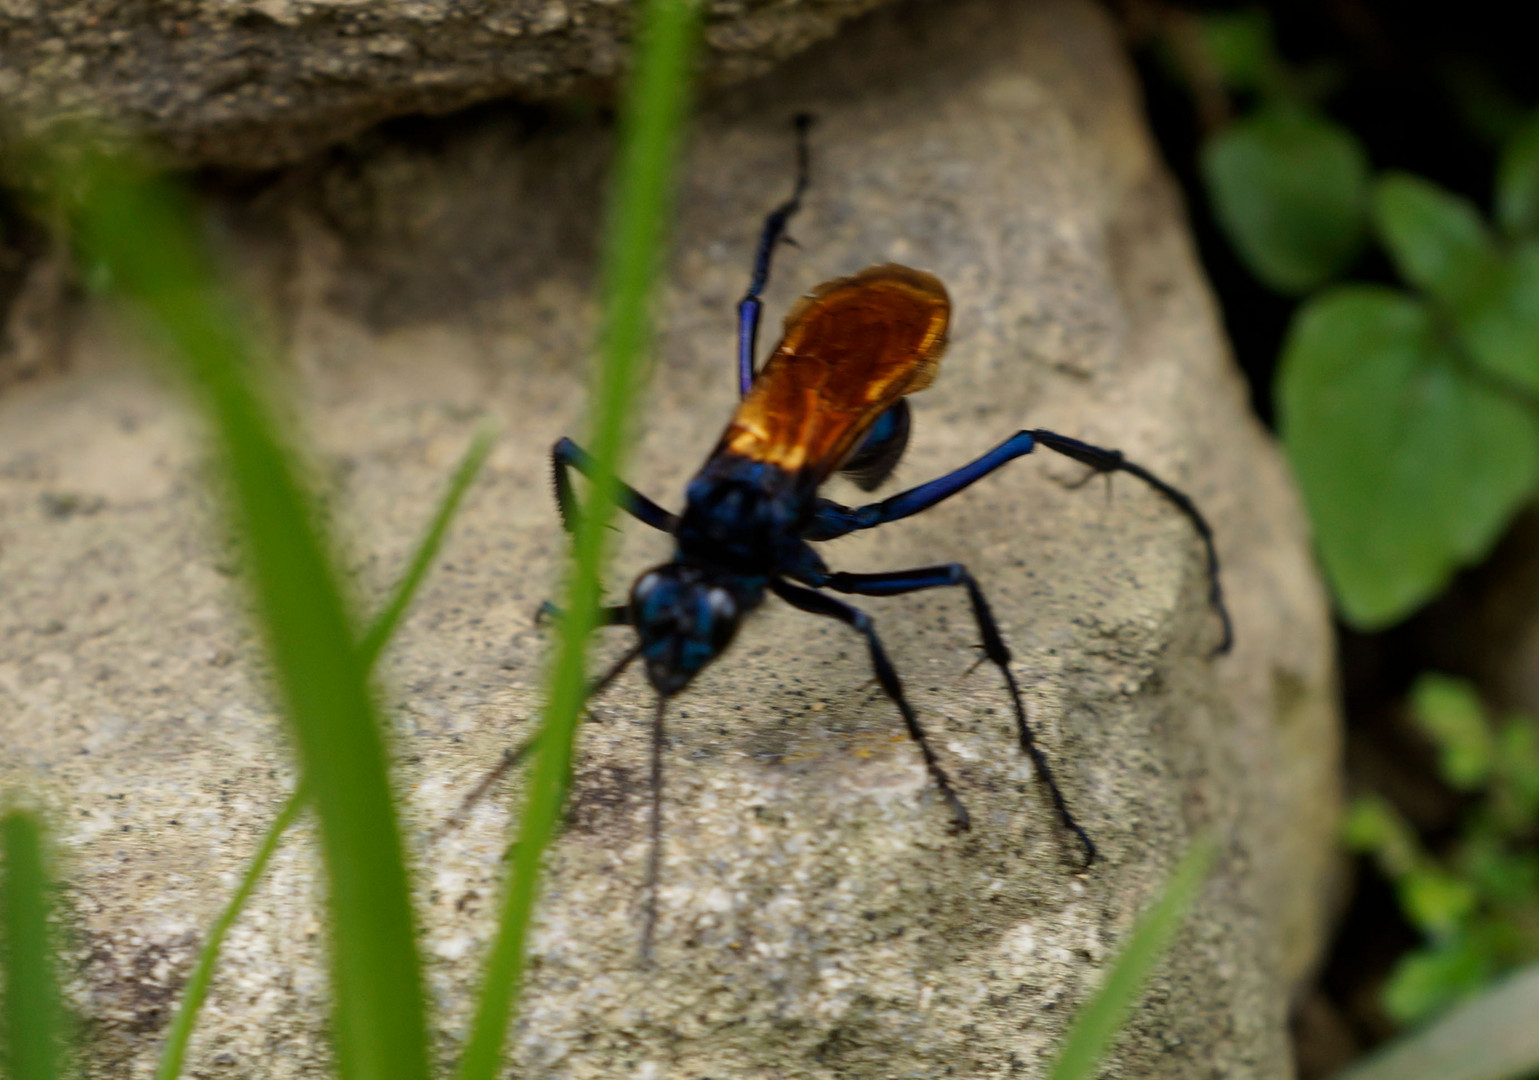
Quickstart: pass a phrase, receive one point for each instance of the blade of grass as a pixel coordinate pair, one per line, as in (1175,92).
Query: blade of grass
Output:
(383,628)
(374,641)
(141,231)
(1099,1020)
(634,244)
(175,1051)
(31,1043)
(1490,1037)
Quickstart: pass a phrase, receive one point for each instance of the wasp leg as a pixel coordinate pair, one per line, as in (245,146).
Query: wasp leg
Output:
(567,455)
(898,582)
(831,520)
(818,604)
(512,758)
(608,615)
(751,307)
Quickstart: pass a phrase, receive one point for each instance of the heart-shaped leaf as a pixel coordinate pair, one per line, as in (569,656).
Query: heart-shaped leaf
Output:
(1500,324)
(1410,466)
(1437,239)
(1290,189)
(1517,181)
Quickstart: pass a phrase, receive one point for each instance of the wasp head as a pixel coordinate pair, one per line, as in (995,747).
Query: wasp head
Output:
(686,616)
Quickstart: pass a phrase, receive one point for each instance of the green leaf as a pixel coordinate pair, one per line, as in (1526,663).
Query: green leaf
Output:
(1290,190)
(1499,323)
(1517,181)
(1373,826)
(1410,467)
(1517,763)
(1449,712)
(1429,980)
(1504,877)
(31,1019)
(1435,902)
(1239,44)
(1437,239)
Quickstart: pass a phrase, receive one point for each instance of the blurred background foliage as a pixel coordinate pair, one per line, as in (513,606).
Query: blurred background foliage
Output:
(1363,181)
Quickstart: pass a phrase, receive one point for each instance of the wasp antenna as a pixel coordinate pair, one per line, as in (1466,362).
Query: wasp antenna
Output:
(803,123)
(654,857)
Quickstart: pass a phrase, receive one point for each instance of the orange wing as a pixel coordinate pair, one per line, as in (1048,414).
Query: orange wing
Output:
(849,350)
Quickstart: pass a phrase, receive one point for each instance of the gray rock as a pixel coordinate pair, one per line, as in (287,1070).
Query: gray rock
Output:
(258,83)
(818,919)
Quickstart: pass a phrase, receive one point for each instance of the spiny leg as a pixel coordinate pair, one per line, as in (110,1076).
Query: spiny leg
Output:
(831,520)
(567,455)
(897,582)
(751,307)
(1110,461)
(886,675)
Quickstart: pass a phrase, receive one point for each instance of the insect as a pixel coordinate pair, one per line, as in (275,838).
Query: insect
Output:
(831,398)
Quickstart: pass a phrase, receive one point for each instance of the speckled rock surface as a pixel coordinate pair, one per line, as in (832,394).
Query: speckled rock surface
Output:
(256,83)
(818,919)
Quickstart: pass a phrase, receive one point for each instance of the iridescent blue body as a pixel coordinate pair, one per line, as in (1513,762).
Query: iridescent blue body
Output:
(830,399)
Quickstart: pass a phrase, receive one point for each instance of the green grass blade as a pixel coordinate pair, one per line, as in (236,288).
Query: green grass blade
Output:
(175,1051)
(137,228)
(374,641)
(1097,1023)
(384,626)
(634,246)
(1490,1037)
(31,1030)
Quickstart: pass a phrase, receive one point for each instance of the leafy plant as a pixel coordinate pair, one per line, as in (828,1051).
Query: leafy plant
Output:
(1477,906)
(1409,414)
(1288,185)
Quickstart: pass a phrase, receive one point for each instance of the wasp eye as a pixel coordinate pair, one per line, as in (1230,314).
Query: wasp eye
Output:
(645,584)
(721,603)
(723,609)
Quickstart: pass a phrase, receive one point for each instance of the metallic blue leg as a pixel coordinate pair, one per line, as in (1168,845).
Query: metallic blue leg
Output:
(567,455)
(751,307)
(831,520)
(886,675)
(897,582)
